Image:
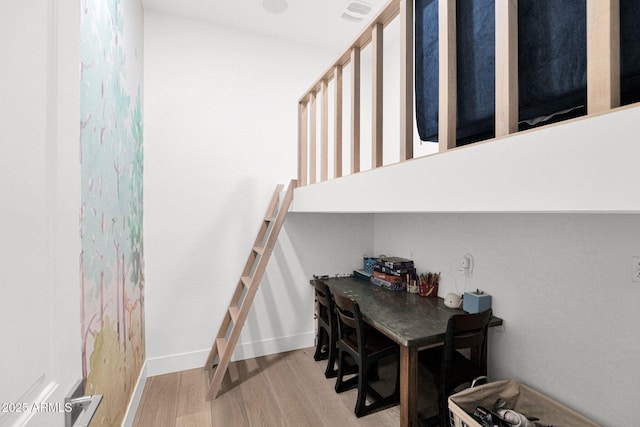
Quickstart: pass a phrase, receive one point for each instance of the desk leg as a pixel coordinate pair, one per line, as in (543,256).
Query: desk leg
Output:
(408,386)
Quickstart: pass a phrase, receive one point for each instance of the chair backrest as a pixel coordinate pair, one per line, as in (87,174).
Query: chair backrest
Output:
(349,318)
(467,331)
(323,296)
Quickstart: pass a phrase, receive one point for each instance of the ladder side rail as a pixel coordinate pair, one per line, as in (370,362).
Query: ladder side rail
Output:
(236,316)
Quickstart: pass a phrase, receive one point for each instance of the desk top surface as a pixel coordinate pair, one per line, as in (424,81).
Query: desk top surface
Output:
(408,319)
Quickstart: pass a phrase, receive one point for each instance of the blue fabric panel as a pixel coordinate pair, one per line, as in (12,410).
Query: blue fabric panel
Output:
(475,24)
(426,63)
(551,56)
(630,51)
(476,81)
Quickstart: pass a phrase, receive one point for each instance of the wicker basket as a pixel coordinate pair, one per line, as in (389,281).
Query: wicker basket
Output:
(519,397)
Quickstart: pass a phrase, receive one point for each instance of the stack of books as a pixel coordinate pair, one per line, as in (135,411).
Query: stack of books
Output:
(393,273)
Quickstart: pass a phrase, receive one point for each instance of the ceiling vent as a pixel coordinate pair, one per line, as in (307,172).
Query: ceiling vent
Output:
(275,6)
(356,11)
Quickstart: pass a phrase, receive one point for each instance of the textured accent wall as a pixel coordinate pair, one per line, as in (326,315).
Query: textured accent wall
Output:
(112,261)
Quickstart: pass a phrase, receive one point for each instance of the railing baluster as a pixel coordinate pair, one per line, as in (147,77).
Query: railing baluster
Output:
(506,67)
(603,55)
(355,110)
(337,81)
(312,138)
(324,131)
(448,74)
(406,79)
(302,144)
(376,98)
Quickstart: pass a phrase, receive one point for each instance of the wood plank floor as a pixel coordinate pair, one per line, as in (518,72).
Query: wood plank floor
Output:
(286,389)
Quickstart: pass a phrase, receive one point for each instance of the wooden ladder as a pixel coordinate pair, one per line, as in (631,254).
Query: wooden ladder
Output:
(246,289)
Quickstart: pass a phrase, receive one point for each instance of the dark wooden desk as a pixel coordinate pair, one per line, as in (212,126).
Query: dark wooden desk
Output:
(408,319)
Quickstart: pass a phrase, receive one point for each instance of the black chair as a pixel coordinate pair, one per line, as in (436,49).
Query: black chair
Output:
(327,334)
(450,368)
(366,346)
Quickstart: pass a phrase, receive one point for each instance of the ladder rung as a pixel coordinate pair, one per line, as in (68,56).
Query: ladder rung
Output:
(270,219)
(221,343)
(233,312)
(246,281)
(258,250)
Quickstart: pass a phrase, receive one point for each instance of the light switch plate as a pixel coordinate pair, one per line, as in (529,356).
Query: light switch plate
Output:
(635,269)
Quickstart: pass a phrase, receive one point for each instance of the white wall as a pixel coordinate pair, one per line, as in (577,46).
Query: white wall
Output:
(562,284)
(220,133)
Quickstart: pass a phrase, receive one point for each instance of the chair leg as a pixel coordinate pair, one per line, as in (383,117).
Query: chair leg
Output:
(363,386)
(444,409)
(396,391)
(320,342)
(364,389)
(340,372)
(342,385)
(331,371)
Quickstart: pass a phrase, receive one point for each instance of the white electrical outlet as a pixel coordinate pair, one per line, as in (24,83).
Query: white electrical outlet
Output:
(635,268)
(467,265)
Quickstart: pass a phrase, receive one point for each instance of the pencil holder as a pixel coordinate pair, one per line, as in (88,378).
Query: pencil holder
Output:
(428,290)
(428,284)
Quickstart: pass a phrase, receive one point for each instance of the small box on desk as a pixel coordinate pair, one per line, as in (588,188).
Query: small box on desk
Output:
(476,302)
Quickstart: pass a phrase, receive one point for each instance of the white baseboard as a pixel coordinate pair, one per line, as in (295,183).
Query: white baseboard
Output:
(135,398)
(272,346)
(196,359)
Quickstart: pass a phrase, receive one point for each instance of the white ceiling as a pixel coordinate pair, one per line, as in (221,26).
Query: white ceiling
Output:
(314,22)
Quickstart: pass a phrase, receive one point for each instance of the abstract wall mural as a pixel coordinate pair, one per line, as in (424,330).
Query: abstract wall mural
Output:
(112,261)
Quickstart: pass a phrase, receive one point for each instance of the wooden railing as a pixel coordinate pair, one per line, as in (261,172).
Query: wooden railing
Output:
(603,83)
